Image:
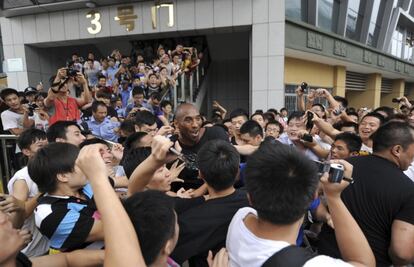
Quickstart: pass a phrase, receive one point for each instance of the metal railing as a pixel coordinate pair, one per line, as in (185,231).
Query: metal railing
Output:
(188,84)
(5,167)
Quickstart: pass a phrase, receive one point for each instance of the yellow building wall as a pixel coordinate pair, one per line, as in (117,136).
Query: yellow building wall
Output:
(369,98)
(398,87)
(3,82)
(314,74)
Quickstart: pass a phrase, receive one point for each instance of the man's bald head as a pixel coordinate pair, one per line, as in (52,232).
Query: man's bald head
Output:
(188,121)
(184,109)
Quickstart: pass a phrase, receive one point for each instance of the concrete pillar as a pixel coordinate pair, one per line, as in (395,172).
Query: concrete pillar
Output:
(369,98)
(339,80)
(398,86)
(267,55)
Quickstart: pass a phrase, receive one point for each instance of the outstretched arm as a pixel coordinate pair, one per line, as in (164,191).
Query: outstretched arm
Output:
(121,242)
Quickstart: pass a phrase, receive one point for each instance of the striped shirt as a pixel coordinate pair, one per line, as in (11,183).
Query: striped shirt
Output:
(67,221)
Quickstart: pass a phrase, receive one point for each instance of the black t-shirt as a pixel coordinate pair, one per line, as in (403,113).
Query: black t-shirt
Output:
(381,194)
(181,205)
(205,227)
(190,152)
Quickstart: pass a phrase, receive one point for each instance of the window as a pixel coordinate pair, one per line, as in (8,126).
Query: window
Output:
(397,42)
(408,47)
(326,18)
(354,19)
(375,24)
(296,9)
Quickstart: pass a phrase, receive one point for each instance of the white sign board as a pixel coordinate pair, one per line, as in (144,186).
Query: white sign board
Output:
(14,64)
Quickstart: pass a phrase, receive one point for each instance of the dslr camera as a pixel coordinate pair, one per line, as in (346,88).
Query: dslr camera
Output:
(336,171)
(71,72)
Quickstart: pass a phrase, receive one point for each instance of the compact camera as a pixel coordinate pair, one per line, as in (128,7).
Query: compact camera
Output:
(396,100)
(336,171)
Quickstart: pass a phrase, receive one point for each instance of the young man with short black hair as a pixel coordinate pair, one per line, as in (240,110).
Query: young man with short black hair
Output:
(346,145)
(66,214)
(204,227)
(65,132)
(145,121)
(237,117)
(294,136)
(138,101)
(251,133)
(155,221)
(153,105)
(16,118)
(281,183)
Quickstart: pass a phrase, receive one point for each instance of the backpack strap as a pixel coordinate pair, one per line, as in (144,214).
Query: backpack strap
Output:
(291,256)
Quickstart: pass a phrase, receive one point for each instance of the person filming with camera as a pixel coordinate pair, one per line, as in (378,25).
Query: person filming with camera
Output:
(61,106)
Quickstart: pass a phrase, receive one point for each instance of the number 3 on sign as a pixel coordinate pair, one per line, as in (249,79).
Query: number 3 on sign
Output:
(95,17)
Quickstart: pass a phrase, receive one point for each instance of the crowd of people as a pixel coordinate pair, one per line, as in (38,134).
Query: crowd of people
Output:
(115,175)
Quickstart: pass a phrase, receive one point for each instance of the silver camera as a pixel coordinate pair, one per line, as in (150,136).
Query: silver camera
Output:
(336,171)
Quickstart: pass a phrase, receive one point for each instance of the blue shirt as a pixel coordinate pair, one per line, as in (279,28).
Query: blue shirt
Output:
(125,94)
(111,71)
(105,129)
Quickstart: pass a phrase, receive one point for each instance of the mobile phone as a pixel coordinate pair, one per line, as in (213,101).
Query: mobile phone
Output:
(309,122)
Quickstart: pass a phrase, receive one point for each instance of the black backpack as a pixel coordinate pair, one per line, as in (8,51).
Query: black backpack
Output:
(291,256)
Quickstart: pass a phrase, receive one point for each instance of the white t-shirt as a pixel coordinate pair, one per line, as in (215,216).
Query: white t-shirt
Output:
(247,250)
(11,120)
(39,123)
(410,171)
(40,244)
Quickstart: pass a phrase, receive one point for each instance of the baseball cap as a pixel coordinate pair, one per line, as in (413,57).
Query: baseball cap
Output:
(30,90)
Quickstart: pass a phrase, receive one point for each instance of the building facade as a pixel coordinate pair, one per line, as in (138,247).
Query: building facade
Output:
(360,49)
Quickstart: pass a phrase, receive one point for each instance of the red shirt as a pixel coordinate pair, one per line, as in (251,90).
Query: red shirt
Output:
(68,111)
